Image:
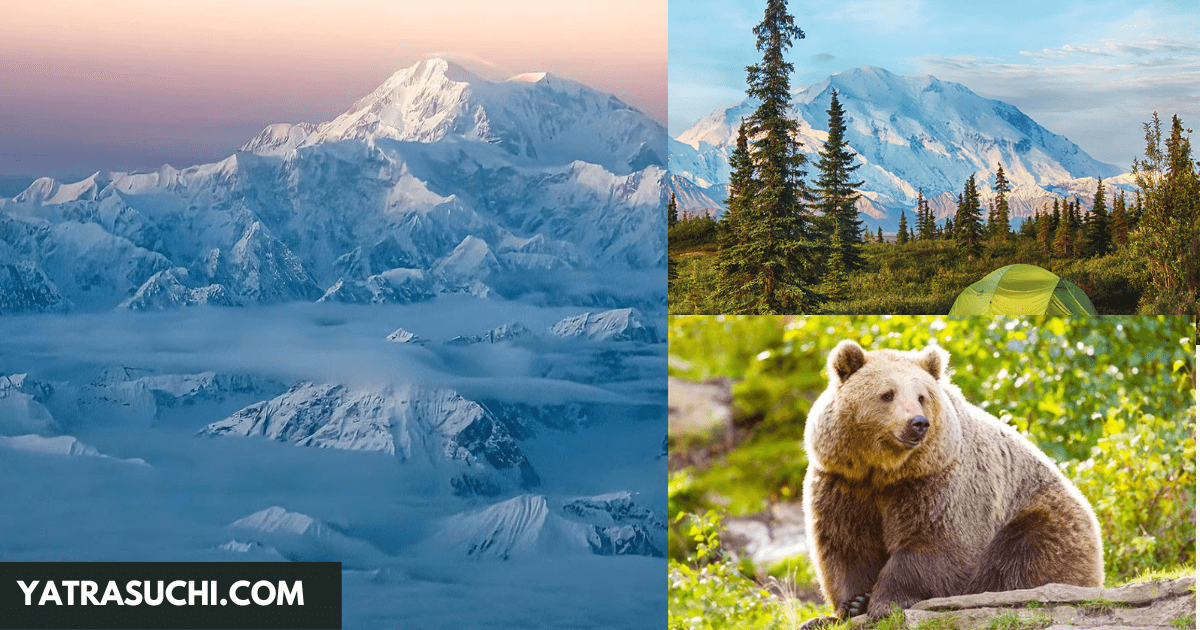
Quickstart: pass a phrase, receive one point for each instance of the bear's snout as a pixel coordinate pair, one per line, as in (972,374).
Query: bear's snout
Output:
(915,431)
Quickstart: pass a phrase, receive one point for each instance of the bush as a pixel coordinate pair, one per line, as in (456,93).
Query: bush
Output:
(708,592)
(692,233)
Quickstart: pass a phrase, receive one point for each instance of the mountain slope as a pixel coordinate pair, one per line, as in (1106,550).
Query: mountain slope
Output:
(404,420)
(439,178)
(910,133)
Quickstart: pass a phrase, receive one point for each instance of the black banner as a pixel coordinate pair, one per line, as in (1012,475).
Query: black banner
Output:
(249,595)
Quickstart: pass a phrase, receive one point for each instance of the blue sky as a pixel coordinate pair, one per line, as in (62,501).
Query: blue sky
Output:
(1090,70)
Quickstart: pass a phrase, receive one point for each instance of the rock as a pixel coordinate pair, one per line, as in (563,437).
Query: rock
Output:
(1133,594)
(767,537)
(698,408)
(1154,605)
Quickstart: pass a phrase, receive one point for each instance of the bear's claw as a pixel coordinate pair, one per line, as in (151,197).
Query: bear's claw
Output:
(858,606)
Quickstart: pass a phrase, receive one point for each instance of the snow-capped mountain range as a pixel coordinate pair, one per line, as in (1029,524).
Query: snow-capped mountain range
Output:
(910,134)
(407,421)
(436,182)
(612,524)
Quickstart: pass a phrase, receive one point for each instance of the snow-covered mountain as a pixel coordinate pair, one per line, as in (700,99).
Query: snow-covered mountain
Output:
(407,421)
(436,182)
(622,324)
(300,537)
(910,133)
(21,411)
(61,445)
(529,524)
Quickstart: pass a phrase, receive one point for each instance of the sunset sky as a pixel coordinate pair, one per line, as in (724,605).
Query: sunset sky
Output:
(133,84)
(1092,70)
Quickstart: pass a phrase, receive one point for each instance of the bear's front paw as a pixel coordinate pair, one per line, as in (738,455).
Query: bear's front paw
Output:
(879,607)
(858,606)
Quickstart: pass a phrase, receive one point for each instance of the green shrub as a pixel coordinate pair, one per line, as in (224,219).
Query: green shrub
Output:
(707,591)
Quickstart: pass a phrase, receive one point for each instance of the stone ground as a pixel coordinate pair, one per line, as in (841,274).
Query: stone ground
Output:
(1164,604)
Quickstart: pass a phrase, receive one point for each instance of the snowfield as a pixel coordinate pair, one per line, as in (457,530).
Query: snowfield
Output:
(425,339)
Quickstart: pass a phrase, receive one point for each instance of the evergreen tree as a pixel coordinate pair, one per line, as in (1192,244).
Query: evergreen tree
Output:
(912,236)
(778,256)
(672,219)
(1045,229)
(879,236)
(925,223)
(1028,229)
(990,229)
(948,231)
(1002,187)
(1120,223)
(836,192)
(732,245)
(1099,232)
(1064,238)
(1168,233)
(967,221)
(1056,218)
(902,233)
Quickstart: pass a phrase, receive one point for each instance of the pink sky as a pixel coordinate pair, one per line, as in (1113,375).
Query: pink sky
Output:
(134,83)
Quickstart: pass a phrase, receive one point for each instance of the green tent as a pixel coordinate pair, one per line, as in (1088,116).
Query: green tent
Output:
(1022,290)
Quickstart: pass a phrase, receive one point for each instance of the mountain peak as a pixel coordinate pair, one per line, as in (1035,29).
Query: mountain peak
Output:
(436,70)
(913,132)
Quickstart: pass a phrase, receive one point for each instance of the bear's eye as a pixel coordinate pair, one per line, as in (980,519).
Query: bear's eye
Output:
(921,400)
(888,397)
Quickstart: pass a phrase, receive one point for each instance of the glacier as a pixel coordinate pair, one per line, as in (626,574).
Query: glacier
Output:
(368,340)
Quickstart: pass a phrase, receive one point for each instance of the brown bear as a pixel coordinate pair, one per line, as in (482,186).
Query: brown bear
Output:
(912,492)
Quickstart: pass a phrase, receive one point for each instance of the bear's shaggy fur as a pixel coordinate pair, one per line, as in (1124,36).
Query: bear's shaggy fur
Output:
(912,492)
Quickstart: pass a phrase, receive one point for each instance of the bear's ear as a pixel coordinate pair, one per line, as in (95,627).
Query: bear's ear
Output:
(846,359)
(934,360)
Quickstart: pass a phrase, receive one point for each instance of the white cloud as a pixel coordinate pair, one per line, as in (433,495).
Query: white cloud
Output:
(1096,94)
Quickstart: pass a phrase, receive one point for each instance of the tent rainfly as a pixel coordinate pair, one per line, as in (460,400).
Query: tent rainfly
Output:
(1022,290)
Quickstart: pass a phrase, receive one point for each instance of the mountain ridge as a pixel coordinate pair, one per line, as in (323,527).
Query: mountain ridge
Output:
(910,134)
(436,182)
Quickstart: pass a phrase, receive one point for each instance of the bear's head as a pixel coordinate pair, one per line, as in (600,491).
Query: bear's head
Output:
(885,416)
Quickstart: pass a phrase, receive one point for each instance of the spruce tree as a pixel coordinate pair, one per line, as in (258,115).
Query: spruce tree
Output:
(879,236)
(991,230)
(902,233)
(967,221)
(1002,187)
(925,224)
(732,246)
(1045,229)
(1064,238)
(1057,216)
(836,277)
(1120,223)
(778,263)
(1099,236)
(948,231)
(837,193)
(672,213)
